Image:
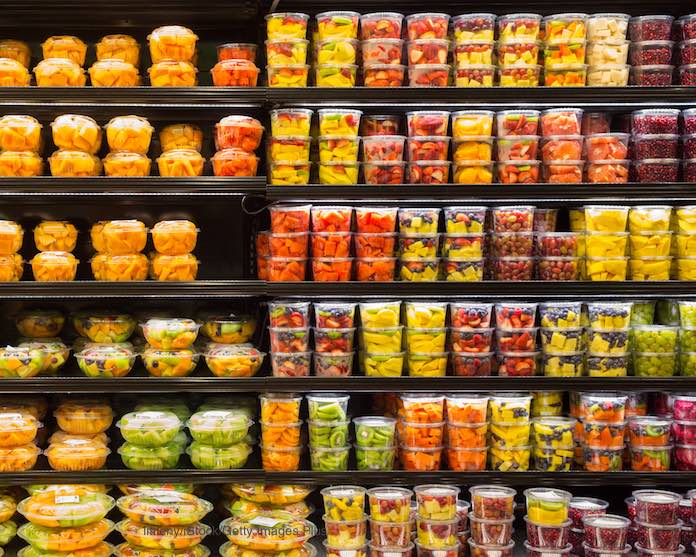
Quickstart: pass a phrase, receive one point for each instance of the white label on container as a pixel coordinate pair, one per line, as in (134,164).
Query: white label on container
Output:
(265,521)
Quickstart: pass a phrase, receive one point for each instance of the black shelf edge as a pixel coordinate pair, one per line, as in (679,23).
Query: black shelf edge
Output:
(614,98)
(546,194)
(53,187)
(145,289)
(537,290)
(359,477)
(354,384)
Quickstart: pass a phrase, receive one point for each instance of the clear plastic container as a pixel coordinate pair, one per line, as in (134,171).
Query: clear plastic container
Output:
(113,73)
(168,334)
(66,506)
(126,164)
(286,25)
(149,428)
(172,42)
(129,133)
(181,136)
(235,73)
(118,47)
(74,164)
(50,72)
(164,508)
(20,133)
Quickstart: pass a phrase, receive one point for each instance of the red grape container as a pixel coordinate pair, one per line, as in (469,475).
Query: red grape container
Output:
(606,531)
(492,502)
(547,552)
(650,28)
(659,537)
(580,507)
(597,552)
(547,536)
(656,506)
(657,121)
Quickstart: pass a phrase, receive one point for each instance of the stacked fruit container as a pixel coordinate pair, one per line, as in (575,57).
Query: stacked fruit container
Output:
(382,50)
(437,523)
(286,49)
(509,432)
(547,520)
(467,429)
(427,49)
(390,524)
(336,49)
(518,50)
(281,443)
(564,51)
(344,518)
(328,431)
(338,146)
(418,244)
(472,132)
(493,514)
(651,50)
(473,50)
(428,147)
(383,155)
(607,50)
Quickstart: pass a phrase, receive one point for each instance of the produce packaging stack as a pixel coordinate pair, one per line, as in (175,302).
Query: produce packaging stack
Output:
(281,442)
(39,330)
(564,50)
(336,49)
(236,139)
(509,431)
(554,450)
(578,508)
(428,146)
(331,243)
(426,346)
(20,146)
(390,524)
(119,245)
(473,50)
(11,262)
(117,62)
(375,449)
(561,147)
(516,340)
(422,412)
(62,64)
(557,254)
(517,147)
(548,522)
(492,517)
(18,431)
(472,149)
(516,222)
(649,439)
(80,443)
(467,428)
(8,527)
(173,53)
(382,49)
(685,225)
(427,50)
(607,50)
(518,50)
(684,410)
(156,519)
(419,244)
(219,439)
(334,339)
(129,140)
(383,150)
(375,248)
(547,404)
(288,150)
(236,65)
(288,219)
(650,242)
(605,532)
(380,338)
(688,144)
(78,139)
(118,58)
(174,240)
(562,339)
(687,338)
(329,445)
(606,243)
(286,49)
(16,61)
(55,241)
(608,349)
(243,499)
(67,518)
(606,153)
(150,440)
(603,417)
(471,339)
(464,242)
(686,49)
(437,522)
(345,520)
(655,145)
(655,350)
(651,50)
(289,332)
(338,146)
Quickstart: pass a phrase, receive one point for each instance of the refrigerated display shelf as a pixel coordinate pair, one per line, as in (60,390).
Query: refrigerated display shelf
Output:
(539,194)
(353,477)
(206,383)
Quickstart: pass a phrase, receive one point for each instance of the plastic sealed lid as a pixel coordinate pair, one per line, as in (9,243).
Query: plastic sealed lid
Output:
(271,494)
(218,421)
(164,508)
(237,120)
(268,531)
(65,506)
(152,420)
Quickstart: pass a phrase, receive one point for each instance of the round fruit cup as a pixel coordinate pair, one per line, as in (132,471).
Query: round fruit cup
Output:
(241,132)
(492,502)
(425,315)
(472,123)
(513,268)
(338,173)
(425,123)
(491,532)
(472,365)
(684,432)
(292,364)
(467,459)
(277,459)
(74,164)
(339,122)
(289,340)
(643,312)
(337,51)
(607,26)
(428,148)
(481,75)
(346,534)
(368,458)
(473,53)
(607,342)
(327,408)
(69,131)
(332,148)
(649,246)
(104,327)
(66,507)
(337,25)
(39,323)
(654,121)
(427,51)
(326,435)
(512,244)
(126,164)
(129,133)
(388,172)
(422,408)
(113,73)
(603,407)
(565,75)
(288,75)
(650,459)
(561,121)
(280,408)
(380,314)
(206,457)
(581,507)
(168,334)
(426,340)
(288,314)
(390,534)
(516,340)
(564,341)
(164,508)
(563,172)
(172,42)
(519,76)
(513,219)
(17,429)
(218,428)
(563,365)
(379,269)
(429,75)
(232,361)
(607,365)
(509,435)
(471,341)
(518,52)
(427,364)
(228,328)
(181,136)
(22,133)
(342,552)
(384,148)
(333,340)
(553,433)
(603,459)
(561,52)
(604,435)
(236,51)
(425,435)
(472,149)
(686,245)
(344,503)
(608,172)
(546,404)
(105,360)
(609,316)
(51,72)
(149,429)
(383,25)
(83,419)
(136,457)
(509,460)
(473,172)
(560,459)
(466,436)
(436,533)
(547,536)
(121,237)
(565,26)
(428,172)
(77,455)
(470,27)
(20,164)
(286,25)
(654,364)
(427,26)
(417,246)
(466,246)
(517,364)
(419,270)
(607,147)
(383,340)
(234,162)
(654,338)
(509,408)
(656,507)
(290,121)
(374,432)
(288,148)
(466,409)
(419,459)
(519,26)
(652,75)
(658,537)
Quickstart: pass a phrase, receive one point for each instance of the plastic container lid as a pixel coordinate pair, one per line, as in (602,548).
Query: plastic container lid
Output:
(144,420)
(65,505)
(168,508)
(218,420)
(268,530)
